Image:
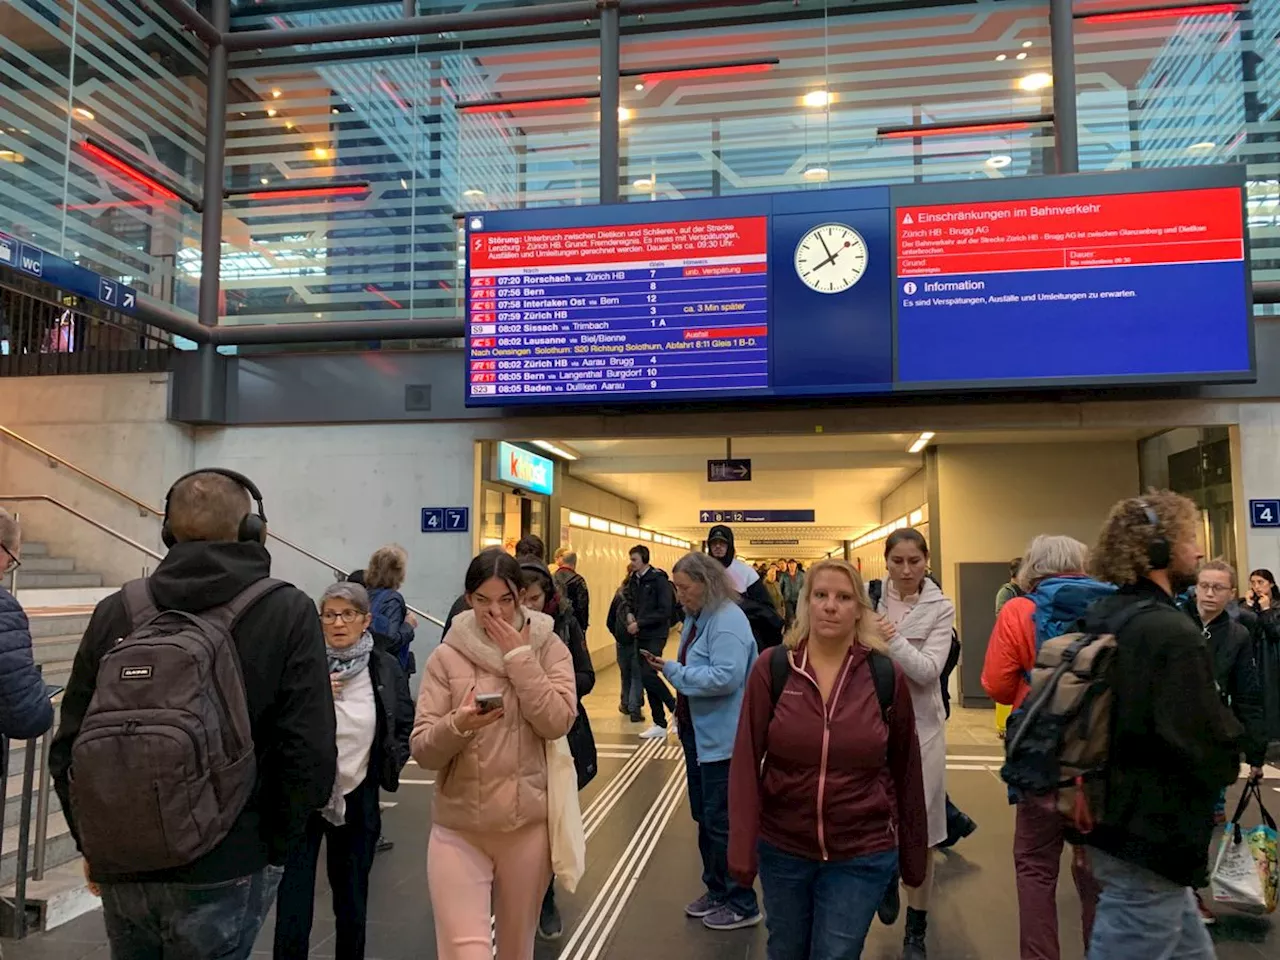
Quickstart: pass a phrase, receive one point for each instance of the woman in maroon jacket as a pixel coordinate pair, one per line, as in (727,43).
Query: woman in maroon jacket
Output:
(826,798)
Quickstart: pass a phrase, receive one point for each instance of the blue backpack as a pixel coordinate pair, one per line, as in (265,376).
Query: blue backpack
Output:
(1061,603)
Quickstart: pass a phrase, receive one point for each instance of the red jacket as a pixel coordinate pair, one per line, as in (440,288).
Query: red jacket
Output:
(1011,653)
(826,782)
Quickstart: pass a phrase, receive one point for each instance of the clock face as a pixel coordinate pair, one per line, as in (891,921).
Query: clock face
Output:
(831,258)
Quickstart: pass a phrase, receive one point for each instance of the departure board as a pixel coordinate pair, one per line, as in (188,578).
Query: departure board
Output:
(646,308)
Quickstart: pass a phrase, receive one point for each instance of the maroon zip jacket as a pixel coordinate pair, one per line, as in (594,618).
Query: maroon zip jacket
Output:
(826,783)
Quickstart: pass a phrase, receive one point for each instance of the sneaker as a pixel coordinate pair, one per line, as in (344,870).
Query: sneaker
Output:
(384,845)
(636,717)
(550,926)
(704,906)
(913,947)
(1206,915)
(961,826)
(891,905)
(726,918)
(654,733)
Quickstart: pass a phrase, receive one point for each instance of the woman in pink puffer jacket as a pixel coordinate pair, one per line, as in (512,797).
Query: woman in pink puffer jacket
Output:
(489,839)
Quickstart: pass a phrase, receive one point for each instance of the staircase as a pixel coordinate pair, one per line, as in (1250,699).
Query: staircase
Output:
(58,599)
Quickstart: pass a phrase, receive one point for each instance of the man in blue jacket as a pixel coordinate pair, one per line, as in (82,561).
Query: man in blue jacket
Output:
(25,709)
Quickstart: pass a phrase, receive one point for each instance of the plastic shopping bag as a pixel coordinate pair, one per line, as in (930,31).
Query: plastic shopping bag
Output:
(564,816)
(1245,875)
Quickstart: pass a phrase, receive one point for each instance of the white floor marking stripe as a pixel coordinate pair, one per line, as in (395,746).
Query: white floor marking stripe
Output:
(632,860)
(612,795)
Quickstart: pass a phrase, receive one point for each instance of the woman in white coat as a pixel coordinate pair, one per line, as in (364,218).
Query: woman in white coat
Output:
(917,619)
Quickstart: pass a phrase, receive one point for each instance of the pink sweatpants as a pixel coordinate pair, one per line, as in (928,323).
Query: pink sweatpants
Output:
(469,874)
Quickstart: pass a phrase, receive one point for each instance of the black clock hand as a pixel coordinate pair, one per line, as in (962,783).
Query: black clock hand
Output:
(827,250)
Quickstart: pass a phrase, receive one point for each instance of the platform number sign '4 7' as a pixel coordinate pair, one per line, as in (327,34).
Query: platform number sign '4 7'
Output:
(1264,513)
(446,519)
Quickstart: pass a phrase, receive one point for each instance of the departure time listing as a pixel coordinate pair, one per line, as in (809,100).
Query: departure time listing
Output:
(632,308)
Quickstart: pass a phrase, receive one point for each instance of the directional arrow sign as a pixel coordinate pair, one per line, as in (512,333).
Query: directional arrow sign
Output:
(728,471)
(129,300)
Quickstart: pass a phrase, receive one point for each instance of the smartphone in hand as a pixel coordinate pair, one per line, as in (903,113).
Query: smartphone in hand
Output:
(488,702)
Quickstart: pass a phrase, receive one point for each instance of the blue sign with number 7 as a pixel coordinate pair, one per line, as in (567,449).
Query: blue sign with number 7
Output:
(1264,513)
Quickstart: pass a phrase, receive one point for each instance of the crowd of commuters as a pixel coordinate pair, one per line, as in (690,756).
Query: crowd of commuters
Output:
(817,765)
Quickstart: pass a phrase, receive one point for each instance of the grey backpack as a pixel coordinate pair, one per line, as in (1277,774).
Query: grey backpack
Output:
(164,760)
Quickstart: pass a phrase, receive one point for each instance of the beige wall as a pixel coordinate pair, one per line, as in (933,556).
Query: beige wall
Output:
(909,495)
(994,499)
(111,426)
(585,497)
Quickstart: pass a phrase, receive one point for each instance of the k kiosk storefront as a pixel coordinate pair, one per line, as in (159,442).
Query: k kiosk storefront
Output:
(515,495)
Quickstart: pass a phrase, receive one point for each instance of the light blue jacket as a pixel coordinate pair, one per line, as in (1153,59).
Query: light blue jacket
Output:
(714,677)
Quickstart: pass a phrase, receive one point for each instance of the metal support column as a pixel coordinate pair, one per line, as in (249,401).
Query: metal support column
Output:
(410,8)
(211,215)
(610,63)
(1062,52)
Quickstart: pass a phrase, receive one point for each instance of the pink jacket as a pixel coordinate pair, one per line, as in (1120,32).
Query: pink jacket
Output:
(495,780)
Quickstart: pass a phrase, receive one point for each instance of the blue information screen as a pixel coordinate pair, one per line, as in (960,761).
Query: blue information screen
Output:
(1036,282)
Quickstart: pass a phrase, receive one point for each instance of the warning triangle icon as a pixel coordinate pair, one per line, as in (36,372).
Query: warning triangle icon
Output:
(907,219)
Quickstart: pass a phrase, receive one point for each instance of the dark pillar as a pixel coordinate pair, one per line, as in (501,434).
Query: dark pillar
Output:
(1062,51)
(211,213)
(610,58)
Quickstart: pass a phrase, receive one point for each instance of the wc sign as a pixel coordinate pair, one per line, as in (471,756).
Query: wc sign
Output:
(520,468)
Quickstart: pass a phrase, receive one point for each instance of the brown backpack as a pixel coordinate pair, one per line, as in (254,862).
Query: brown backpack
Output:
(1059,740)
(164,761)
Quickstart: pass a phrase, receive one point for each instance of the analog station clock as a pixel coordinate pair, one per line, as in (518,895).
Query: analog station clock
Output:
(831,258)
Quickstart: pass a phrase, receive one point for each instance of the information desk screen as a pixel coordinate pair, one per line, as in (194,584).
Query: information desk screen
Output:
(618,311)
(1128,285)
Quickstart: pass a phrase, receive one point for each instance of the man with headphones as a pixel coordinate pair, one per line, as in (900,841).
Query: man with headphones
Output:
(1173,744)
(215,904)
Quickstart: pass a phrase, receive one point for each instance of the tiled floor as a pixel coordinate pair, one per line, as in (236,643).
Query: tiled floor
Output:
(643,866)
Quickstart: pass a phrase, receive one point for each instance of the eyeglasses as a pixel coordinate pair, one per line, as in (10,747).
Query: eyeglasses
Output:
(13,562)
(1212,588)
(346,616)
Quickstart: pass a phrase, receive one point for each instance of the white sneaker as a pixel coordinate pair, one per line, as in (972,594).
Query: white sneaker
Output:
(654,733)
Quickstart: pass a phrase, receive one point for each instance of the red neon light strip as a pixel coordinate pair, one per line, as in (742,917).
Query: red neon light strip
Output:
(390,92)
(1199,10)
(526,105)
(678,74)
(130,172)
(370,288)
(302,193)
(956,130)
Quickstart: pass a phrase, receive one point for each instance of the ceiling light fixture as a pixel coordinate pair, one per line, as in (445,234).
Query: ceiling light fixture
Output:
(473,192)
(920,442)
(123,167)
(696,71)
(999,161)
(264,180)
(1026,44)
(817,173)
(1001,57)
(12,156)
(529,103)
(271,111)
(320,153)
(80,113)
(625,114)
(275,94)
(1033,82)
(1202,146)
(1021,56)
(639,87)
(644,185)
(564,453)
(818,99)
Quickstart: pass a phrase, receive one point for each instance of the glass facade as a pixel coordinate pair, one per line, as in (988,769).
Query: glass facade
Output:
(782,98)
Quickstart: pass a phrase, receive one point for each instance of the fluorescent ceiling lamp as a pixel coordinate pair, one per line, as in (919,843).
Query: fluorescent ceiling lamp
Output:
(1035,81)
(564,453)
(618,529)
(917,517)
(646,535)
(579,519)
(633,532)
(600,525)
(920,442)
(999,161)
(818,99)
(817,173)
(1202,146)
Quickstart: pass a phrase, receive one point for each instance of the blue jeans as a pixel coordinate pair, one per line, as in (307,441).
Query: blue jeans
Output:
(709,802)
(188,921)
(1141,914)
(629,670)
(821,911)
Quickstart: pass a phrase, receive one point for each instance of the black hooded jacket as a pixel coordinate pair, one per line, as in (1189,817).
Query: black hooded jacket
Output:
(1236,673)
(766,624)
(1174,745)
(286,678)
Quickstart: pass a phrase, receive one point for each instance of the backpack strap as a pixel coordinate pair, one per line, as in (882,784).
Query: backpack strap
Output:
(228,614)
(882,676)
(139,605)
(779,668)
(875,590)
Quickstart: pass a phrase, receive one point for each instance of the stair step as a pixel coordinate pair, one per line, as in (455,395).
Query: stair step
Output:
(33,597)
(46,581)
(34,548)
(13,799)
(32,565)
(58,850)
(58,622)
(60,647)
(61,896)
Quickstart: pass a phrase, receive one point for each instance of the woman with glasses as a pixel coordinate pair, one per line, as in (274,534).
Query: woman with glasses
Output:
(374,716)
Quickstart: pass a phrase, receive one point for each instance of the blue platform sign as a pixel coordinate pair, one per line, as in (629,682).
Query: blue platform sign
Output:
(65,275)
(446,519)
(756,516)
(1264,513)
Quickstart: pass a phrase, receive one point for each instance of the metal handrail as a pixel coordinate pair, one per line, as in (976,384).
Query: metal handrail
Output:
(45,498)
(146,508)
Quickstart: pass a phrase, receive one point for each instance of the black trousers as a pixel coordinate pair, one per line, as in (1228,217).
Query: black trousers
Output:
(655,687)
(349,852)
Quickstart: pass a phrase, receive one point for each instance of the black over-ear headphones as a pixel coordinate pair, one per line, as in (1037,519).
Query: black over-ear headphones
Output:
(253,528)
(1159,552)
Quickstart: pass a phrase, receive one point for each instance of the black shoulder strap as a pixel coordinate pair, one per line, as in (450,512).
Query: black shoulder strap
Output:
(228,614)
(1120,619)
(139,606)
(882,675)
(875,590)
(779,667)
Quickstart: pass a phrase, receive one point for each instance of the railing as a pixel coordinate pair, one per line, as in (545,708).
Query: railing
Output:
(116,534)
(46,331)
(145,508)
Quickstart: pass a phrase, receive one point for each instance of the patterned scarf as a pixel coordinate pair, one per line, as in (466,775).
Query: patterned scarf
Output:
(346,661)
